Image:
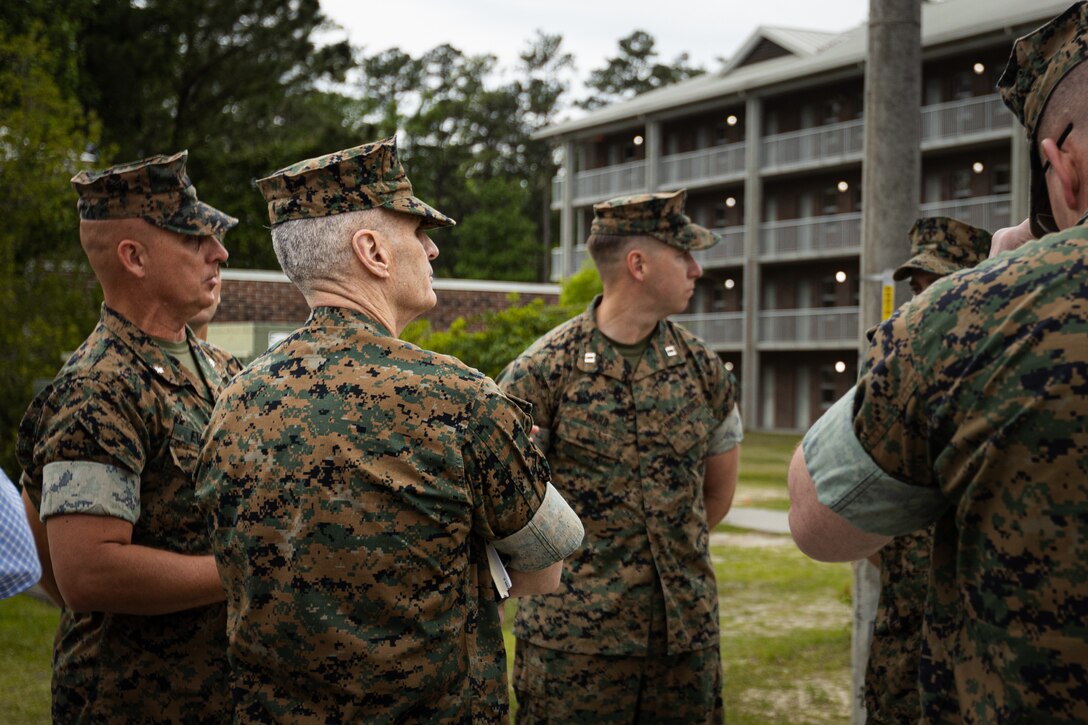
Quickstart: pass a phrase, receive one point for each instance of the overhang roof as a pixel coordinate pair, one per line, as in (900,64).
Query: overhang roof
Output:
(943,23)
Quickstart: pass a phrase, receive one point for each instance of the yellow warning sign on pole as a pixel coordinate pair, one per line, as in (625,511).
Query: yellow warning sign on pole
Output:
(887,299)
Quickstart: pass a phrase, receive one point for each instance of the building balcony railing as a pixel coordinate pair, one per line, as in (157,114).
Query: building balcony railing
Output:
(836,142)
(822,236)
(600,184)
(719,163)
(720,330)
(580,255)
(728,252)
(812,329)
(986,212)
(950,122)
(942,124)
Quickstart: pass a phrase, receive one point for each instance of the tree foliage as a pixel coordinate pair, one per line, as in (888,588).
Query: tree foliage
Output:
(634,71)
(47,304)
(489,342)
(249,86)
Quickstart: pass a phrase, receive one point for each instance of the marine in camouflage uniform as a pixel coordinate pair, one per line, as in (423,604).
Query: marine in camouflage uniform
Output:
(973,415)
(353,481)
(114,440)
(632,633)
(939,246)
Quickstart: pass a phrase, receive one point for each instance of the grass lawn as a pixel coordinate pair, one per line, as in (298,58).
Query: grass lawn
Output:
(785,619)
(764,459)
(27,627)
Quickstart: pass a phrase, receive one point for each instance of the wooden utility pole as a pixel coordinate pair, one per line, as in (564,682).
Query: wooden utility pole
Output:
(890,193)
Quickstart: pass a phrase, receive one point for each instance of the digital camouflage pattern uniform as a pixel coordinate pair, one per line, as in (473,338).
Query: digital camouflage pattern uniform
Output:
(117,433)
(224,362)
(972,415)
(351,481)
(627,449)
(939,245)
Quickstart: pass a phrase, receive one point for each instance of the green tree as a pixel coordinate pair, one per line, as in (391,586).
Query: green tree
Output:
(490,341)
(48,299)
(634,71)
(468,148)
(241,83)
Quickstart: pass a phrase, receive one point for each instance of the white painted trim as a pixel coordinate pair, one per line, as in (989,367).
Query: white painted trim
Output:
(450,285)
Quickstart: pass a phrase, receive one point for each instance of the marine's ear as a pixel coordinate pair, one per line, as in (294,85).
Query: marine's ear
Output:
(372,251)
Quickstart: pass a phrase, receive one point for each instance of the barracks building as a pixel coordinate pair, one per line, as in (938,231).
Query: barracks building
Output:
(770,150)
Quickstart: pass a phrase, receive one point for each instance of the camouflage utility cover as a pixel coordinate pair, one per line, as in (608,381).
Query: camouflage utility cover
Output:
(891,678)
(157,190)
(627,450)
(364,177)
(1039,62)
(660,216)
(943,245)
(120,401)
(351,481)
(978,390)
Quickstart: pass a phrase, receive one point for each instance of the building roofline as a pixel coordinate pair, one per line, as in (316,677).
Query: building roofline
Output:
(942,23)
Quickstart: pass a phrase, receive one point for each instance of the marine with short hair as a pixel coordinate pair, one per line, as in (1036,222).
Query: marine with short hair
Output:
(638,420)
(366,496)
(973,415)
(108,451)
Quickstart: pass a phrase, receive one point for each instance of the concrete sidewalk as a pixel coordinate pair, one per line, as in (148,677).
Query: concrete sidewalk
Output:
(765,520)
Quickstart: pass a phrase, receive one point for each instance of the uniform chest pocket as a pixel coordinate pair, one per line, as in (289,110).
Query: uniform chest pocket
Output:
(184,447)
(592,436)
(688,430)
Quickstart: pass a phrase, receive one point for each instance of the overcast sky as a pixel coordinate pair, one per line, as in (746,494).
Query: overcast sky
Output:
(705,29)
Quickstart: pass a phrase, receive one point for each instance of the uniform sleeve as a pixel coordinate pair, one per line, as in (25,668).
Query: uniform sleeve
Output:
(520,380)
(90,448)
(727,436)
(517,509)
(19,565)
(868,454)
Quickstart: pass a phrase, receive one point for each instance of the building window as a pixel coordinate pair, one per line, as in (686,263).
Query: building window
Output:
(961,188)
(1001,179)
(832,111)
(963,85)
(829,291)
(827,387)
(829,200)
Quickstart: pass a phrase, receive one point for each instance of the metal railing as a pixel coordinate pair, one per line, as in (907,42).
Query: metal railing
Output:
(717,329)
(580,255)
(822,144)
(968,117)
(729,251)
(829,235)
(823,327)
(833,143)
(987,212)
(691,167)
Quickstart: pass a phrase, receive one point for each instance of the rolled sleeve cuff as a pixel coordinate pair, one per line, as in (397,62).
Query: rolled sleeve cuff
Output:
(552,534)
(86,487)
(852,485)
(728,435)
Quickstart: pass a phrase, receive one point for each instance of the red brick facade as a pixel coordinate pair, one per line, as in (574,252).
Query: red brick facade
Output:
(258,296)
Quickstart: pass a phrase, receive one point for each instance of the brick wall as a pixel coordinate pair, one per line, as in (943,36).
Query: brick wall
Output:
(257,296)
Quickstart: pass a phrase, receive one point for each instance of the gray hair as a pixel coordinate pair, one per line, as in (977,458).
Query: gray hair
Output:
(319,248)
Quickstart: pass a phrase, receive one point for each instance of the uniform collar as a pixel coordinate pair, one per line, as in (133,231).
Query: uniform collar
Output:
(144,347)
(345,317)
(600,356)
